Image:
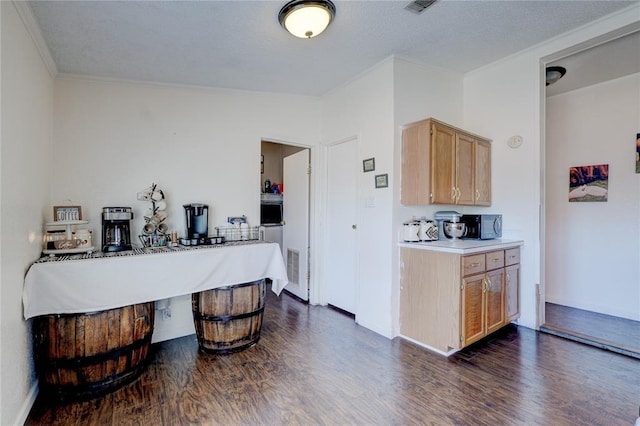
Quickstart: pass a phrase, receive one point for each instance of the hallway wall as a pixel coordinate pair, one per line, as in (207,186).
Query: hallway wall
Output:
(593,248)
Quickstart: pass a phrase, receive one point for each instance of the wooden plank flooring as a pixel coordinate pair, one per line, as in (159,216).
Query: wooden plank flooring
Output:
(613,333)
(314,365)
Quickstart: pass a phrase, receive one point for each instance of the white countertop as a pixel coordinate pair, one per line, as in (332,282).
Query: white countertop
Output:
(463,246)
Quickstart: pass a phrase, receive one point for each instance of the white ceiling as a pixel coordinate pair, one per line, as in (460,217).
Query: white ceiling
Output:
(240,44)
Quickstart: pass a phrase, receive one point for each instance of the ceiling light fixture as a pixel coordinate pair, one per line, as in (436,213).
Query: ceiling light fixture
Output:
(554,74)
(306,18)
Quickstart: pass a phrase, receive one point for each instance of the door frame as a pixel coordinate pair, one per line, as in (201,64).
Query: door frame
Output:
(357,212)
(320,294)
(542,64)
(314,153)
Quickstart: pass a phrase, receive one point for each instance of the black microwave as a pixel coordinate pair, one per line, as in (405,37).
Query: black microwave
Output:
(271,214)
(482,226)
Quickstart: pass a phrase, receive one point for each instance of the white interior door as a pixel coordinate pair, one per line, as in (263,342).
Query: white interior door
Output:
(295,213)
(342,226)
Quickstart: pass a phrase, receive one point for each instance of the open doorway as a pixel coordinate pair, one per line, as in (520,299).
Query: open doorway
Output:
(592,244)
(285,187)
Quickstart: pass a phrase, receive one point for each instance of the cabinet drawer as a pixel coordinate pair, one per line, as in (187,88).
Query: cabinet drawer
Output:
(473,264)
(495,260)
(512,256)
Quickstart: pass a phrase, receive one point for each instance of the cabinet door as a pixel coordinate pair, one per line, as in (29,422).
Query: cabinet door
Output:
(512,284)
(495,311)
(415,188)
(482,173)
(464,170)
(443,148)
(473,307)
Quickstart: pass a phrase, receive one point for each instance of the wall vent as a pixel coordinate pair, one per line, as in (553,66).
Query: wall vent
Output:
(293,266)
(418,6)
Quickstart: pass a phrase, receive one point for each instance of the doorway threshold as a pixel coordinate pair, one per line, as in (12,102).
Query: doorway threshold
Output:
(590,340)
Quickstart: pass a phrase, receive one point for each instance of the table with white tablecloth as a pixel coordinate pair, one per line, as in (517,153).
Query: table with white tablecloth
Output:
(97,282)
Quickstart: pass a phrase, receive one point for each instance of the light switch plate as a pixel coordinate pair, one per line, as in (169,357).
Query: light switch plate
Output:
(370,202)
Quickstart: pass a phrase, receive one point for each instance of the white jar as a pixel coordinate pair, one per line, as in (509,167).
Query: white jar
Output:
(410,231)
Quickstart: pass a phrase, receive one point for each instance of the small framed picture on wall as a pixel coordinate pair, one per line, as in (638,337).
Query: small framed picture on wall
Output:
(382,181)
(368,165)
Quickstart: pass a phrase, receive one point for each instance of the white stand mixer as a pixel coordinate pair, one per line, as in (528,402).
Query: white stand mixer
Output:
(449,225)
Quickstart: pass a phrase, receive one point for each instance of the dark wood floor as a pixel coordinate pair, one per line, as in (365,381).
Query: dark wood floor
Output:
(314,365)
(606,331)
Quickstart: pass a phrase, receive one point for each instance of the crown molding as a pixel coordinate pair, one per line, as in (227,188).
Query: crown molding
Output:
(32,27)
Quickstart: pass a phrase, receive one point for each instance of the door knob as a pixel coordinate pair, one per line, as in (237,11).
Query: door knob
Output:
(354,226)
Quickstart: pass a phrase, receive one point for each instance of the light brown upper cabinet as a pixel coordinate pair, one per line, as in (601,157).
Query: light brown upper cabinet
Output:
(444,165)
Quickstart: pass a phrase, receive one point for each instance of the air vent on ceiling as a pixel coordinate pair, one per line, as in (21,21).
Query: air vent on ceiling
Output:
(418,6)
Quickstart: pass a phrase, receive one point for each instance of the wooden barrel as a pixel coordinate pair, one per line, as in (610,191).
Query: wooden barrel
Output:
(82,356)
(229,319)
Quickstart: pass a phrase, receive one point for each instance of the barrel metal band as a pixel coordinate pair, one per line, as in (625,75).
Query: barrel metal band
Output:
(97,358)
(227,318)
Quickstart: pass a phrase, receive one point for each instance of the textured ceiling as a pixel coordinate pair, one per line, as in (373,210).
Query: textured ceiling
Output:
(240,45)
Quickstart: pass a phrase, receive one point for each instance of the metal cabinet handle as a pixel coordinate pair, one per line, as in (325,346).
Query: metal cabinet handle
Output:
(453,193)
(477,195)
(475,264)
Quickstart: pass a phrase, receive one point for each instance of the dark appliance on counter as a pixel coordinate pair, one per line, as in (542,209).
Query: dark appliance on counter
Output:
(271,209)
(482,226)
(116,228)
(197,219)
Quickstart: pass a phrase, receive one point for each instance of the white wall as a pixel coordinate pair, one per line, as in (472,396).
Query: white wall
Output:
(364,108)
(25,150)
(505,99)
(593,249)
(199,145)
(373,108)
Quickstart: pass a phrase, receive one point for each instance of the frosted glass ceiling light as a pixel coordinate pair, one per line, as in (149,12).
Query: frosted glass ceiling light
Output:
(554,74)
(306,18)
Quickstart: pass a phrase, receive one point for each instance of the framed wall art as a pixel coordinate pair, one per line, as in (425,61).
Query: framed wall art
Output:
(369,165)
(589,183)
(382,181)
(638,153)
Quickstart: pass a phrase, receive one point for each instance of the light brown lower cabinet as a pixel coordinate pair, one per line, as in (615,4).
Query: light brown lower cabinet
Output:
(450,300)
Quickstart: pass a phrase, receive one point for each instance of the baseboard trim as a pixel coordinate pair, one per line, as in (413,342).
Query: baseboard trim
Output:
(25,409)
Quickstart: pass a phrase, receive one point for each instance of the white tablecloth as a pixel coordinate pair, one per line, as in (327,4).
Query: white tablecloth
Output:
(97,284)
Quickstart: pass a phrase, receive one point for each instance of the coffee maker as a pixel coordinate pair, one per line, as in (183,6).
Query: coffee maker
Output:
(197,218)
(116,228)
